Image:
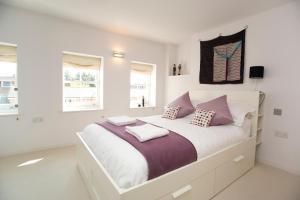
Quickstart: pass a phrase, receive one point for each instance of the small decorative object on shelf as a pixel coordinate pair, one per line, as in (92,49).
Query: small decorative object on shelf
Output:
(179,69)
(174,70)
(143,101)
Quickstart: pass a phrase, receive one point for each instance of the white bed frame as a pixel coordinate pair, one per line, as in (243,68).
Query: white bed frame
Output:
(200,180)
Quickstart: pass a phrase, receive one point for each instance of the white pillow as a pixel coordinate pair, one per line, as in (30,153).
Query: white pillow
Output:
(240,111)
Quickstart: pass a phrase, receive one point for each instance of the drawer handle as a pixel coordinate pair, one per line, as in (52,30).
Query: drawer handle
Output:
(239,158)
(181,191)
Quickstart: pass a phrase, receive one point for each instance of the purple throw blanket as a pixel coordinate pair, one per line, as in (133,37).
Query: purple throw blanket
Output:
(162,154)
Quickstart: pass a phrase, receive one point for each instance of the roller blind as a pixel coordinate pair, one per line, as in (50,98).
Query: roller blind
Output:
(8,53)
(142,68)
(78,61)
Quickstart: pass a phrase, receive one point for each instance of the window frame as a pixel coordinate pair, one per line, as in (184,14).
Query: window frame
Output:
(17,112)
(153,84)
(100,83)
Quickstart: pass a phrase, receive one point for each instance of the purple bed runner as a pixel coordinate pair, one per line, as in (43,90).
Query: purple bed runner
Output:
(162,154)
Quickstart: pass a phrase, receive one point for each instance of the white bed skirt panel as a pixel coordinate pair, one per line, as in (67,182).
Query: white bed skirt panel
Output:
(199,180)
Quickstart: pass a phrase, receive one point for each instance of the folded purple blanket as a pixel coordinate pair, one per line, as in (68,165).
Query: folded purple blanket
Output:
(162,154)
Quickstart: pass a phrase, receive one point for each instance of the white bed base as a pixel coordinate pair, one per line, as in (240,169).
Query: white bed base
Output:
(200,180)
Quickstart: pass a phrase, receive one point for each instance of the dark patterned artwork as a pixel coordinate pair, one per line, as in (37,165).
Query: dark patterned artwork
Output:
(222,59)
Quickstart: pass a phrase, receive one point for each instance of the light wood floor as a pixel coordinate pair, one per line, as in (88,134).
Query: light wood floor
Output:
(55,178)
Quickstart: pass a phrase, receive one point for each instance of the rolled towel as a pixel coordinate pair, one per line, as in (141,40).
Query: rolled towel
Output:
(146,132)
(121,120)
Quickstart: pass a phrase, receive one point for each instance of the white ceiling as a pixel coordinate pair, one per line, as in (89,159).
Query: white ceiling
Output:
(169,21)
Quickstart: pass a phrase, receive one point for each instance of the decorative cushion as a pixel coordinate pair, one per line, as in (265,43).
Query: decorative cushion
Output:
(220,107)
(186,106)
(171,112)
(202,118)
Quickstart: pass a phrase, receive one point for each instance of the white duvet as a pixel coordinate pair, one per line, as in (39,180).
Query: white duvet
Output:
(128,167)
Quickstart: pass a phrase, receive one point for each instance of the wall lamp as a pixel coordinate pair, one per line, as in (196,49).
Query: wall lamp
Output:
(118,54)
(256,72)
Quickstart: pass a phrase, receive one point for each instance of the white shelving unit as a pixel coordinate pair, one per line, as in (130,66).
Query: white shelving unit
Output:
(260,118)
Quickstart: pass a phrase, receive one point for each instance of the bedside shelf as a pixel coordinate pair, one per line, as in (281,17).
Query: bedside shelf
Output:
(258,142)
(260,118)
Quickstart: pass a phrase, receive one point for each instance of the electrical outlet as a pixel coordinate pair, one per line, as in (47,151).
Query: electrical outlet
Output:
(281,134)
(277,111)
(37,120)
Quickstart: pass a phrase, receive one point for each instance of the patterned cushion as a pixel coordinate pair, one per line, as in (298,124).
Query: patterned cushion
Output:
(171,112)
(202,118)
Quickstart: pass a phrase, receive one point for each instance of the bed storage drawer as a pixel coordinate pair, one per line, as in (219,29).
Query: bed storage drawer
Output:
(201,188)
(242,160)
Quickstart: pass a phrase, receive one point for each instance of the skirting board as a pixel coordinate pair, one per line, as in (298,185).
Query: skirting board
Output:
(33,150)
(278,166)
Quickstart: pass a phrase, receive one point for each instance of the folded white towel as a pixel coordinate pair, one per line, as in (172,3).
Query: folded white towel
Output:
(146,132)
(121,120)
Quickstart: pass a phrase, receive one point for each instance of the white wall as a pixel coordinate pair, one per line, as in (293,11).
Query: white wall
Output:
(272,40)
(41,40)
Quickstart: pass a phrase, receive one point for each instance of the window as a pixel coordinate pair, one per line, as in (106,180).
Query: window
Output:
(82,76)
(8,80)
(142,85)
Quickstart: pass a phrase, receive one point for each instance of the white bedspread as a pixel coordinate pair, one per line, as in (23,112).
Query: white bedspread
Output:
(128,167)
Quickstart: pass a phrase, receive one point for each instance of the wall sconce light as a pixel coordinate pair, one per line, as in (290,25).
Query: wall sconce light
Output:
(118,54)
(256,72)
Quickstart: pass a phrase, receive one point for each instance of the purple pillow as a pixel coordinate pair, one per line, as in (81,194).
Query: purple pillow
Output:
(220,106)
(186,106)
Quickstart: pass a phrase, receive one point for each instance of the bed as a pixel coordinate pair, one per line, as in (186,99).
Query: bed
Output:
(222,158)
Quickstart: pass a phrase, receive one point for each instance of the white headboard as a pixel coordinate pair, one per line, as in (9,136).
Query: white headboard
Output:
(250,98)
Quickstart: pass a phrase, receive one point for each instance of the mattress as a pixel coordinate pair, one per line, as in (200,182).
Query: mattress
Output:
(128,167)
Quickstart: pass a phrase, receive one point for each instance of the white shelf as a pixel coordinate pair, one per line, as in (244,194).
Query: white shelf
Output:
(259,120)
(258,138)
(258,142)
(177,76)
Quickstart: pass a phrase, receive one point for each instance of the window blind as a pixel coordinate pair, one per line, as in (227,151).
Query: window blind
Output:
(78,61)
(8,53)
(142,68)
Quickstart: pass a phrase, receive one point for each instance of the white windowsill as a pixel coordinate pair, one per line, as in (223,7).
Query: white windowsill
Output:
(82,110)
(8,114)
(153,107)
